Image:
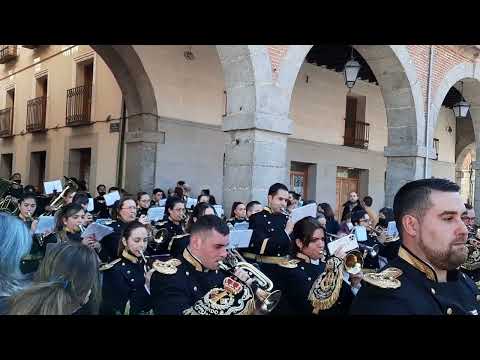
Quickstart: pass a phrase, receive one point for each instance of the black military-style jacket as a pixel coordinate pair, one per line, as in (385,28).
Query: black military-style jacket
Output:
(110,242)
(178,244)
(416,291)
(142,211)
(269,237)
(172,230)
(174,293)
(124,283)
(297,286)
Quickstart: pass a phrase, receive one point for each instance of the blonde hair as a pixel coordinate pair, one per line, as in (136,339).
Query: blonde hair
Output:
(67,274)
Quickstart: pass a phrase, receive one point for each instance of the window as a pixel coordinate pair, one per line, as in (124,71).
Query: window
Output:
(356,129)
(37,168)
(6,166)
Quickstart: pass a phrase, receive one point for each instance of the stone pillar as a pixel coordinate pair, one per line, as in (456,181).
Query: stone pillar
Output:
(476,197)
(255,157)
(404,163)
(141,139)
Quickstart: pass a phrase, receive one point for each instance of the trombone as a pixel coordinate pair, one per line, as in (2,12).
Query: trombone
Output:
(383,234)
(268,299)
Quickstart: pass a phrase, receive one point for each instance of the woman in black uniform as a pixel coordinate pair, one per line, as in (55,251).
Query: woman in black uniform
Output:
(238,215)
(123,290)
(316,285)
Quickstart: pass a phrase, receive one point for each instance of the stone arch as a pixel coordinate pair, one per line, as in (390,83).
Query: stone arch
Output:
(470,148)
(466,72)
(128,70)
(397,79)
(404,106)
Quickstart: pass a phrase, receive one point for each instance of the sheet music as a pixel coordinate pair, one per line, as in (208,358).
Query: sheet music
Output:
(239,239)
(45,223)
(156,213)
(110,198)
(99,231)
(360,233)
(304,211)
(392,229)
(219,210)
(191,203)
(162,202)
(349,241)
(51,186)
(90,205)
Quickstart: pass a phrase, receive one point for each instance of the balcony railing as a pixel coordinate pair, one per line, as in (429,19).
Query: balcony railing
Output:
(79,102)
(436,147)
(7,53)
(36,114)
(357,134)
(6,122)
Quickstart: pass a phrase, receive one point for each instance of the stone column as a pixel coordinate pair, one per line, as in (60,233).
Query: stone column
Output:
(141,139)
(404,163)
(476,197)
(255,156)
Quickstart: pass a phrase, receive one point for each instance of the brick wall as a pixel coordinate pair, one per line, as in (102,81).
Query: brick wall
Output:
(276,52)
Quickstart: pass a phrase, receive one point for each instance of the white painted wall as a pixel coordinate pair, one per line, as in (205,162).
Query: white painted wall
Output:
(318,107)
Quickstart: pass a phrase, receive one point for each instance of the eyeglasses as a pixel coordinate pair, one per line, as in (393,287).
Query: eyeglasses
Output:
(468,218)
(129,208)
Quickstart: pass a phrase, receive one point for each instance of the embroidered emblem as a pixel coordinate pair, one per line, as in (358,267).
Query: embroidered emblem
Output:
(168,267)
(289,264)
(386,279)
(109,265)
(325,290)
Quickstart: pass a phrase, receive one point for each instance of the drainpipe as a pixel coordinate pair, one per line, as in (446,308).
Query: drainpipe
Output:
(427,129)
(121,141)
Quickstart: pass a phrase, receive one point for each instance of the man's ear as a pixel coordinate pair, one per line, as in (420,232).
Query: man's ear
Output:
(410,225)
(195,241)
(270,198)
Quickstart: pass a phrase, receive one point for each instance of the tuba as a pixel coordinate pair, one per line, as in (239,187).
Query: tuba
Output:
(267,299)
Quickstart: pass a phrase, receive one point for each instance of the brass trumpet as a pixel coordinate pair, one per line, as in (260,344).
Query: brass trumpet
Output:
(383,233)
(268,299)
(59,201)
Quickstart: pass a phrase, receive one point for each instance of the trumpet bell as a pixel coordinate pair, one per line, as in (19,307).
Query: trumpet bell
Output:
(269,300)
(354,262)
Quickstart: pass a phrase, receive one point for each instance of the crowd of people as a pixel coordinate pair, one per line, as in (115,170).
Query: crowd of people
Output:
(183,264)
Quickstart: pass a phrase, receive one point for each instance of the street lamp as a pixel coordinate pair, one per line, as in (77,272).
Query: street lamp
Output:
(352,67)
(461,108)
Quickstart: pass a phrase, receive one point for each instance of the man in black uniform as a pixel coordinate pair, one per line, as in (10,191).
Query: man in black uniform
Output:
(471,267)
(192,284)
(424,279)
(270,242)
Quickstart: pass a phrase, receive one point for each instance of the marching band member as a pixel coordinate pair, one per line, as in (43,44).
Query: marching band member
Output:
(175,210)
(424,278)
(158,194)
(27,206)
(313,285)
(124,289)
(143,203)
(192,283)
(124,212)
(100,208)
(253,207)
(270,242)
(471,267)
(238,214)
(82,199)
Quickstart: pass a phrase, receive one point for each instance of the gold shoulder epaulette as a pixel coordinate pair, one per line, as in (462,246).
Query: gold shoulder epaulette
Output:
(386,279)
(267,209)
(168,267)
(161,223)
(109,265)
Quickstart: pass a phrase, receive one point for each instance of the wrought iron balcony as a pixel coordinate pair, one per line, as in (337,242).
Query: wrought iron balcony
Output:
(357,134)
(6,122)
(36,114)
(79,103)
(7,53)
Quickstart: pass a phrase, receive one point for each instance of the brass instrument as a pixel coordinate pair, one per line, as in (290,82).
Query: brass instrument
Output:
(158,239)
(59,201)
(268,299)
(383,233)
(8,203)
